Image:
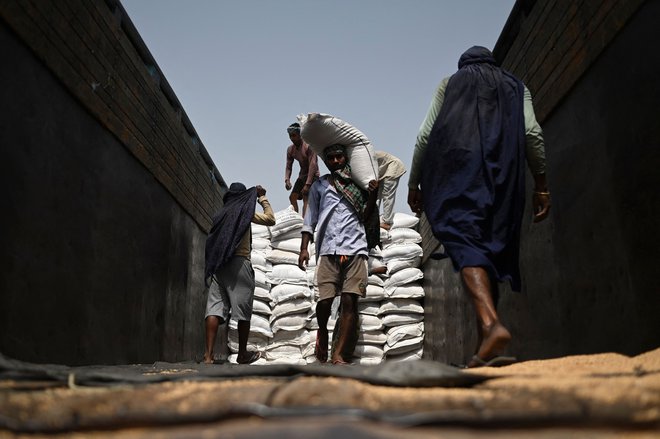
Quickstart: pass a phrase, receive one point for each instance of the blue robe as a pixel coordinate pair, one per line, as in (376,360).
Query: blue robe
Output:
(473,177)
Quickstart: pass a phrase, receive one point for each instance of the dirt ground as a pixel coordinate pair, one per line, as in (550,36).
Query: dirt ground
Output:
(603,395)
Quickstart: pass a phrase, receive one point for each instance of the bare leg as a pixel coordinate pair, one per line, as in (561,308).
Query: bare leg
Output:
(212,324)
(323,308)
(304,205)
(349,321)
(494,337)
(293,199)
(243,334)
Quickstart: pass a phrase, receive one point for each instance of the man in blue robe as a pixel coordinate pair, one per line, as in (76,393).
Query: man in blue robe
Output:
(469,161)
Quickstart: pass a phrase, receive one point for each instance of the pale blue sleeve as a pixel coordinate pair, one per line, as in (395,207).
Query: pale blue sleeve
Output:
(313,207)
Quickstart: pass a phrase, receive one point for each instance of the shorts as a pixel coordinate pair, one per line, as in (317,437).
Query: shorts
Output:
(298,185)
(335,277)
(232,293)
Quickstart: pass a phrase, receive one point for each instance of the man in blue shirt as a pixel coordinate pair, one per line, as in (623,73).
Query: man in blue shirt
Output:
(336,210)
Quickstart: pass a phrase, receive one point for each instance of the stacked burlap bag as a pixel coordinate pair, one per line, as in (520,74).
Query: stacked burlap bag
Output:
(371,342)
(402,310)
(290,292)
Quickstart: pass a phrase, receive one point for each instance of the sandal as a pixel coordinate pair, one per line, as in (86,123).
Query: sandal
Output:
(496,361)
(251,358)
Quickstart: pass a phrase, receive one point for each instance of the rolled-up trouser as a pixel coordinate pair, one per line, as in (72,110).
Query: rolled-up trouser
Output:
(387,196)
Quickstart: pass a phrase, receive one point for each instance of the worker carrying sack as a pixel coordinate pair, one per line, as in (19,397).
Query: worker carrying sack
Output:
(321,130)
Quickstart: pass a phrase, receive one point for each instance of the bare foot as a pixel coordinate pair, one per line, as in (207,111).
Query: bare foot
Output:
(208,358)
(495,340)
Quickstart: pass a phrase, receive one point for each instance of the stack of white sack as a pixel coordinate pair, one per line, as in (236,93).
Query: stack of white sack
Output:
(260,332)
(402,311)
(371,341)
(320,130)
(290,293)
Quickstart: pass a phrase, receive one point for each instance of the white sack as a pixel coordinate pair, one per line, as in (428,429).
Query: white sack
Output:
(283,351)
(261,280)
(284,360)
(402,235)
(320,130)
(399,264)
(367,361)
(368,351)
(284,292)
(286,220)
(408,356)
(277,256)
(369,323)
(261,292)
(370,308)
(298,338)
(261,307)
(258,324)
(260,243)
(260,231)
(376,280)
(287,273)
(398,333)
(292,322)
(405,345)
(373,293)
(294,306)
(258,260)
(402,319)
(372,337)
(404,220)
(399,306)
(402,251)
(412,290)
(402,277)
(289,244)
(256,342)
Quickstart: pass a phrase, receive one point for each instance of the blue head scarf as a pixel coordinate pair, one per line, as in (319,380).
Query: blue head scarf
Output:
(229,226)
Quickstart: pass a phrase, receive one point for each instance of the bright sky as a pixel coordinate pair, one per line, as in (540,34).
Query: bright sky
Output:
(243,70)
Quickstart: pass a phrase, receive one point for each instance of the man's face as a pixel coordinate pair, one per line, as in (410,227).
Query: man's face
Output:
(335,160)
(295,137)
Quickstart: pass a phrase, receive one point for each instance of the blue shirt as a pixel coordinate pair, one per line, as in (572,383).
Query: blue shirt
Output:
(339,230)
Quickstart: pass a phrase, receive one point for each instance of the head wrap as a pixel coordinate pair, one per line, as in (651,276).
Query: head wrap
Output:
(229,226)
(293,128)
(334,148)
(234,189)
(476,55)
